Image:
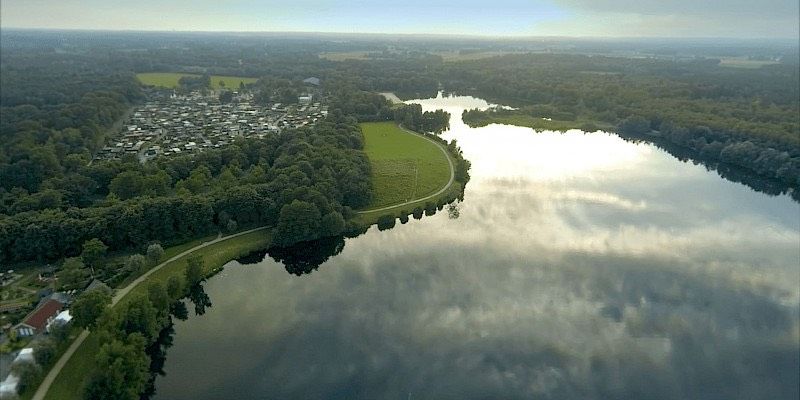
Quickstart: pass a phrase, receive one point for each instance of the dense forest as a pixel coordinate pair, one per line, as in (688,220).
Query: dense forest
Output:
(302,181)
(748,118)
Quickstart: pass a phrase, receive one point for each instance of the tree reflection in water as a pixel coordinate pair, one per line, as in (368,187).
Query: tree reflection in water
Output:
(200,299)
(305,257)
(158,350)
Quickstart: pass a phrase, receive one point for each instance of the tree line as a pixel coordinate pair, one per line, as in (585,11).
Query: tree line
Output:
(746,118)
(305,182)
(412,117)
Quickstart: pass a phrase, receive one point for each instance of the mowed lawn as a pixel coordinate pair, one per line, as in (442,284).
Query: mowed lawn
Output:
(404,166)
(170,79)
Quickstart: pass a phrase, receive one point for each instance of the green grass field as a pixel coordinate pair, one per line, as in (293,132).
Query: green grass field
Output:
(170,79)
(404,166)
(69,383)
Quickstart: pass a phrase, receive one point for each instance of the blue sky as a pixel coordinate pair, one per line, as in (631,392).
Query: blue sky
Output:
(621,18)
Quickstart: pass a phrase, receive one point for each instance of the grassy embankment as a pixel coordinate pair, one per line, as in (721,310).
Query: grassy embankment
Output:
(69,383)
(170,80)
(405,167)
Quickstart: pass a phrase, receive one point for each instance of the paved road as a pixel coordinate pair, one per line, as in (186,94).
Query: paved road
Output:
(445,187)
(51,376)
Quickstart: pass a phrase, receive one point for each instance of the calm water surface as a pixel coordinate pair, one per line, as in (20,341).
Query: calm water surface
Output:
(580,266)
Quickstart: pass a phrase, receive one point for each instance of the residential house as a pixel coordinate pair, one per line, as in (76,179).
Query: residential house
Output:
(37,321)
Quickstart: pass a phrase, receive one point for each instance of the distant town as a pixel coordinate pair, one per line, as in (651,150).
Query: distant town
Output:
(172,123)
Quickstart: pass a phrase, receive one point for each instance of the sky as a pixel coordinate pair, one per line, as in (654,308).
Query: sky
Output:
(604,18)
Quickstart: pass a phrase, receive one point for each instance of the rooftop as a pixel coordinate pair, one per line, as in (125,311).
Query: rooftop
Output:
(38,318)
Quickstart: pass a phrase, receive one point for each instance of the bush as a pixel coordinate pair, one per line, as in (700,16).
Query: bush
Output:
(588,127)
(29,374)
(45,351)
(386,222)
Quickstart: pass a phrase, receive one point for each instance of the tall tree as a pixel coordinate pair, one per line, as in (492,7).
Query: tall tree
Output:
(124,370)
(135,263)
(298,221)
(88,307)
(73,273)
(154,253)
(94,252)
(194,270)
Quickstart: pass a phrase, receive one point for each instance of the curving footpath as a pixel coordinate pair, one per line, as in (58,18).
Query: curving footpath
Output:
(442,190)
(41,392)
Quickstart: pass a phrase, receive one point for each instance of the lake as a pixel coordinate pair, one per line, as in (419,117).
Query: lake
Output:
(578,266)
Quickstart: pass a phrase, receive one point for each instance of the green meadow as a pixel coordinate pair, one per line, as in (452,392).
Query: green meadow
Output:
(170,79)
(404,166)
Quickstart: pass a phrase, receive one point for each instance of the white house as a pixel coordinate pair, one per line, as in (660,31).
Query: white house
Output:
(8,387)
(61,319)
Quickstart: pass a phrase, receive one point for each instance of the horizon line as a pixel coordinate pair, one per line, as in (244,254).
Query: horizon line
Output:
(407,34)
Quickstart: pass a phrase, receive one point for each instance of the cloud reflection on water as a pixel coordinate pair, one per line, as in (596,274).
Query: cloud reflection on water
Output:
(615,274)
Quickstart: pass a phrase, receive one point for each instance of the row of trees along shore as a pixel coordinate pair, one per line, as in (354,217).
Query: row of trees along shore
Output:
(134,336)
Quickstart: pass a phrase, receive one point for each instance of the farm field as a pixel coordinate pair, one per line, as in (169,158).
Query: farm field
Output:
(345,55)
(743,62)
(170,79)
(404,166)
(454,56)
(447,56)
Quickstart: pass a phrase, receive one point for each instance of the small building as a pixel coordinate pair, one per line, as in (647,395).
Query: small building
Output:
(304,99)
(311,81)
(25,355)
(63,318)
(37,321)
(97,284)
(62,297)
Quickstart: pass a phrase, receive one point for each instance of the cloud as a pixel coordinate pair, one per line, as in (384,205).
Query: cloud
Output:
(681,18)
(608,281)
(733,18)
(710,9)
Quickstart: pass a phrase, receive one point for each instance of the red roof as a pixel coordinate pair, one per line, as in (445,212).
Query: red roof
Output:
(38,318)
